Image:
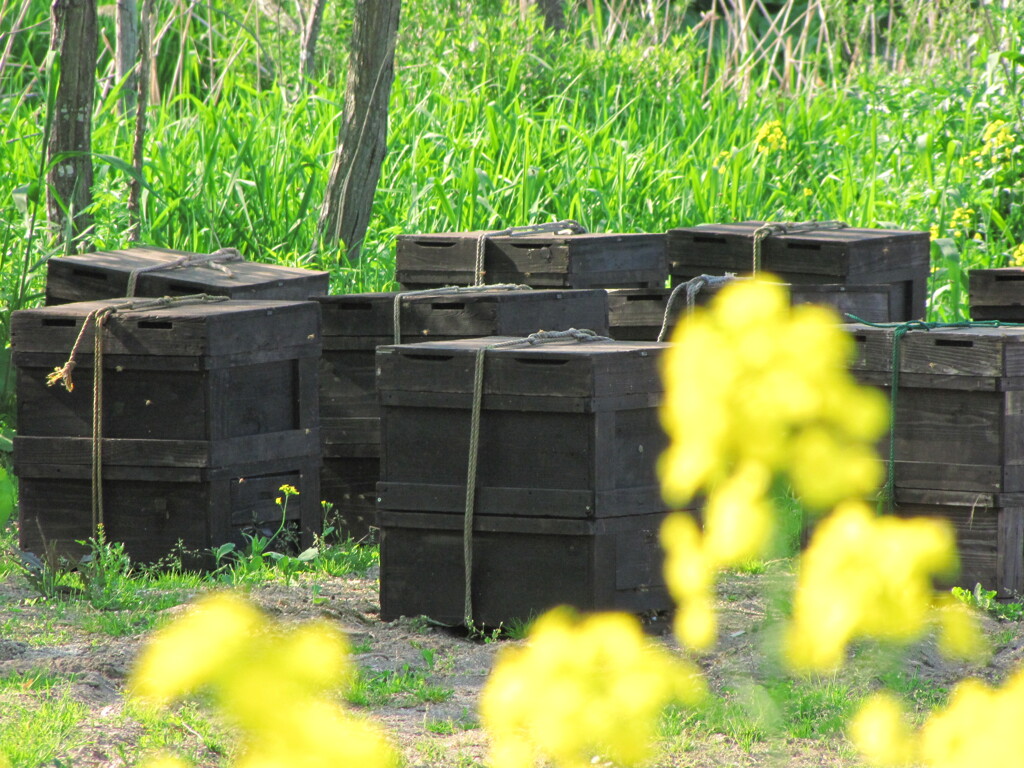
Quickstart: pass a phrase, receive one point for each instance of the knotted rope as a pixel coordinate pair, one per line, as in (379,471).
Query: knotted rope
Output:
(692,287)
(445,291)
(213,260)
(788,228)
(564,227)
(899,331)
(541,337)
(62,375)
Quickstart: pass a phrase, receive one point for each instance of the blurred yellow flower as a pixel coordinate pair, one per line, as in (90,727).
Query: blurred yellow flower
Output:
(689,574)
(276,684)
(933,232)
(156,761)
(1017,257)
(864,575)
(960,221)
(581,688)
(880,731)
(722,160)
(770,138)
(998,144)
(752,383)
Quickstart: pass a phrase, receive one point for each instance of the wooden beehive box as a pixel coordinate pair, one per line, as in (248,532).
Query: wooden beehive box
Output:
(232,373)
(205,404)
(105,275)
(850,256)
(637,314)
(150,509)
(997,294)
(540,260)
(522,566)
(567,429)
(959,422)
(989,534)
(349,484)
(355,325)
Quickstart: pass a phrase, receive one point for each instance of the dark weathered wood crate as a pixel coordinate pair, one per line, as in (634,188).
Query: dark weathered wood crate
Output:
(637,313)
(355,325)
(105,275)
(350,485)
(521,566)
(150,509)
(959,422)
(850,256)
(989,534)
(567,429)
(207,375)
(997,294)
(539,260)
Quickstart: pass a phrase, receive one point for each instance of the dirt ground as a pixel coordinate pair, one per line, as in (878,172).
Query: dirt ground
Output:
(446,733)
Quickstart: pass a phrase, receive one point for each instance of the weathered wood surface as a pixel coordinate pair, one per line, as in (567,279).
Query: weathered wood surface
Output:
(463,315)
(997,294)
(637,314)
(564,430)
(850,256)
(350,485)
(541,261)
(150,511)
(959,423)
(226,329)
(104,275)
(522,566)
(989,532)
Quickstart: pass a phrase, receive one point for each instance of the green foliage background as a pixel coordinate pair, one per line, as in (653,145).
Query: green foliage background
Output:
(639,117)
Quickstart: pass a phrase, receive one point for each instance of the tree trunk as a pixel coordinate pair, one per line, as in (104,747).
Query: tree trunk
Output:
(145,71)
(362,138)
(69,179)
(310,35)
(552,10)
(127,36)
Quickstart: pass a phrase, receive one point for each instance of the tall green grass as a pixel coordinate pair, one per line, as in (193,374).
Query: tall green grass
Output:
(631,120)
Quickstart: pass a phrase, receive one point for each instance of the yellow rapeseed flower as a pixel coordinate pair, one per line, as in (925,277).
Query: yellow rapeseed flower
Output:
(579,688)
(753,382)
(881,733)
(1017,257)
(689,574)
(960,221)
(865,576)
(275,684)
(770,138)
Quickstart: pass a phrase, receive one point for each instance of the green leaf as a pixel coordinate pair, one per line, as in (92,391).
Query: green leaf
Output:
(8,496)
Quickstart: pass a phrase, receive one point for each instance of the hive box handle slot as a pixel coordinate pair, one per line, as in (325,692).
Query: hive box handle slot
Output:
(160,325)
(860,338)
(953,343)
(66,322)
(181,288)
(453,307)
(708,239)
(539,361)
(804,246)
(1010,278)
(434,243)
(355,305)
(429,358)
(90,273)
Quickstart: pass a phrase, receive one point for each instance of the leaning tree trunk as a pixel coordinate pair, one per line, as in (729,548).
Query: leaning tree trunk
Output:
(310,36)
(69,179)
(552,10)
(362,139)
(127,36)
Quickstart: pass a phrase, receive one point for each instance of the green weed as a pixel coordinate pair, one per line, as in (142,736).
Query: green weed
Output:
(985,600)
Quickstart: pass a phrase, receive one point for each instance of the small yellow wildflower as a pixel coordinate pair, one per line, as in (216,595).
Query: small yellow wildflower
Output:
(722,161)
(960,221)
(865,576)
(933,231)
(1017,257)
(289,490)
(880,731)
(998,145)
(578,688)
(276,685)
(770,138)
(808,192)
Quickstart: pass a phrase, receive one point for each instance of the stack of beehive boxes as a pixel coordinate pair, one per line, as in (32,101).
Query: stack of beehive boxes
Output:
(205,409)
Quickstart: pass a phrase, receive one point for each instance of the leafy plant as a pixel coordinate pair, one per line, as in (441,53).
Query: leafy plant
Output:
(985,600)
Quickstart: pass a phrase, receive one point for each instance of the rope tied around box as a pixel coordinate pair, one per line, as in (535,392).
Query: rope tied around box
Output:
(447,290)
(215,260)
(62,375)
(899,331)
(534,339)
(563,227)
(770,228)
(692,287)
